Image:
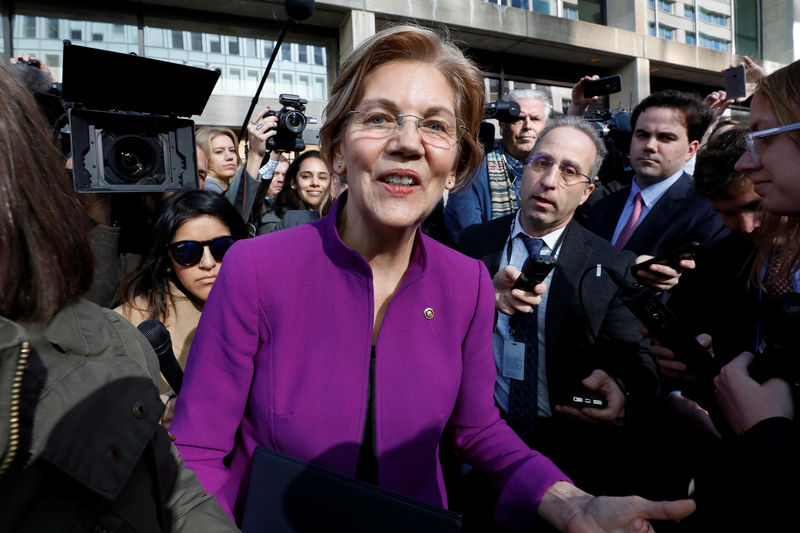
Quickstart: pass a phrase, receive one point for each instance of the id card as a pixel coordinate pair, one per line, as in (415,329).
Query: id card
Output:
(513,359)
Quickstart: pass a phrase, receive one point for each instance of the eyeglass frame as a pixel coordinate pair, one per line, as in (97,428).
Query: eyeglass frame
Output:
(751,136)
(461,128)
(529,162)
(204,244)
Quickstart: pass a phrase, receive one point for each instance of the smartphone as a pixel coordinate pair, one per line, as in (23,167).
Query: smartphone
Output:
(735,82)
(671,258)
(586,399)
(607,85)
(534,271)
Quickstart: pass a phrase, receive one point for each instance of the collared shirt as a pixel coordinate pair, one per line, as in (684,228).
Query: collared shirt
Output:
(501,333)
(650,195)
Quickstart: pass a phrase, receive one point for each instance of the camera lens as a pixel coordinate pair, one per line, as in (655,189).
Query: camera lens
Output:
(131,158)
(295,121)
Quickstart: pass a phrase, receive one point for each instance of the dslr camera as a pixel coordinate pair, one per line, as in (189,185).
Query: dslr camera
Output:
(502,111)
(126,130)
(292,121)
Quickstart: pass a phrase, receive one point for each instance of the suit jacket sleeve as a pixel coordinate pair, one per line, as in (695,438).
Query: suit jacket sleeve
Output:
(482,438)
(468,206)
(219,373)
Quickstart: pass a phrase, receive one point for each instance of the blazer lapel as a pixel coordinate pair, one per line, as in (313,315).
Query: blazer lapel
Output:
(660,215)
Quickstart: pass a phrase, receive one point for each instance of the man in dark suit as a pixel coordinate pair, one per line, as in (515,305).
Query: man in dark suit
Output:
(573,335)
(659,211)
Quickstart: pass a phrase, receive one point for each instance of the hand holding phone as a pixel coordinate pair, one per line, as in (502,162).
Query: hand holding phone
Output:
(534,271)
(671,258)
(735,82)
(607,85)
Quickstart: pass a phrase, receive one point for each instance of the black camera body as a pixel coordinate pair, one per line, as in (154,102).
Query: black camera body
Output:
(126,130)
(502,111)
(29,62)
(292,121)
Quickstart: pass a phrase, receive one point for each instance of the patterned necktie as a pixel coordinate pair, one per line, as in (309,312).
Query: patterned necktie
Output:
(633,221)
(522,399)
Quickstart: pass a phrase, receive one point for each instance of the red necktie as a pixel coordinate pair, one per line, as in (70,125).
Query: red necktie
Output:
(633,221)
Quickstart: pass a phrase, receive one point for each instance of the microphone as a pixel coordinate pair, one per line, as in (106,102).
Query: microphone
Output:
(158,337)
(299,9)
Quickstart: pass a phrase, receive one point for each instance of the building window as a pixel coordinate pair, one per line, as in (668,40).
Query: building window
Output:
(666,33)
(746,20)
(319,88)
(665,6)
(319,55)
(542,6)
(593,11)
(233,46)
(714,44)
(268,48)
(76,35)
(302,53)
(713,18)
(214,44)
(651,4)
(570,13)
(286,52)
(52,28)
(52,60)
(522,4)
(688,12)
(197,41)
(177,39)
(651,29)
(690,39)
(287,83)
(97,36)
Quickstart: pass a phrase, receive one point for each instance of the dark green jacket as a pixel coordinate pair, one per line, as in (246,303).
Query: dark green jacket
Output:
(81,446)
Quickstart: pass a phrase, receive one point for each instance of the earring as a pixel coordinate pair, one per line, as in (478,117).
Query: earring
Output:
(169,270)
(339,165)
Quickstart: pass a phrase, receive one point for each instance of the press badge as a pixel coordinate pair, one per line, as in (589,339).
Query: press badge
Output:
(513,359)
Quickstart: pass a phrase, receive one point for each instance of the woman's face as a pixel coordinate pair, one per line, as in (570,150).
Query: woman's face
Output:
(312,180)
(776,176)
(222,160)
(199,278)
(395,181)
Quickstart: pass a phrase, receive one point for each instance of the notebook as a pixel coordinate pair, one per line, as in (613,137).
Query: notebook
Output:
(286,494)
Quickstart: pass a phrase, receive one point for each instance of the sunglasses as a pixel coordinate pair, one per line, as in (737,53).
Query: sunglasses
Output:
(189,253)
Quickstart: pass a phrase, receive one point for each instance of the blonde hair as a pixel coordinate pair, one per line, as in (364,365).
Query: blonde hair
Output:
(205,134)
(416,44)
(780,235)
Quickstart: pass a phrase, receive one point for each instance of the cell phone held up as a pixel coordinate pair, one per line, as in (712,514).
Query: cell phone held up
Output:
(534,271)
(600,86)
(735,82)
(671,258)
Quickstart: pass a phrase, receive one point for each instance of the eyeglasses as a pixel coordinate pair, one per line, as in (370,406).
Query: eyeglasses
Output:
(751,136)
(541,164)
(440,129)
(189,253)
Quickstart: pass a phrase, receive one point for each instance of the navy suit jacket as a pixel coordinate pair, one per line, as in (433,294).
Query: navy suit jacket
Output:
(680,216)
(605,336)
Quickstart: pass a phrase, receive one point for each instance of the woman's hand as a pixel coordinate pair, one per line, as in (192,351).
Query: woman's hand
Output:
(744,401)
(572,510)
(510,301)
(259,130)
(580,104)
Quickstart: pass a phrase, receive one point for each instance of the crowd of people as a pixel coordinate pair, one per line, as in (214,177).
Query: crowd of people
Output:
(432,371)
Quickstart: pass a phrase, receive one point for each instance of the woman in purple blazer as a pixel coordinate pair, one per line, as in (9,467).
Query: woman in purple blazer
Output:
(407,357)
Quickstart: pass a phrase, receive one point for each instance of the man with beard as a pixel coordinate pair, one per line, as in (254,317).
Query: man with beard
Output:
(659,210)
(494,191)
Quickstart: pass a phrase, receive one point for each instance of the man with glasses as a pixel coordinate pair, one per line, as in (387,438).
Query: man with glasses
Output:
(572,336)
(659,210)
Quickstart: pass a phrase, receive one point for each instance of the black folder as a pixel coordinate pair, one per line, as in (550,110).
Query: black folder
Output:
(285,494)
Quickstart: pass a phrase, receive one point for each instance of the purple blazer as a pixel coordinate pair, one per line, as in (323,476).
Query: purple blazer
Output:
(281,359)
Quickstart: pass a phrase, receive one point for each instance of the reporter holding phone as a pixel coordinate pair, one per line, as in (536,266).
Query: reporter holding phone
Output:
(564,340)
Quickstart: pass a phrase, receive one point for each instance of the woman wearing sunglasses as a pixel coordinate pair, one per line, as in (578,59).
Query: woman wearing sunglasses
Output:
(173,280)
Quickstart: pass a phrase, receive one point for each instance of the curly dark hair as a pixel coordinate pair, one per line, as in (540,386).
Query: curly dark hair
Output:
(697,114)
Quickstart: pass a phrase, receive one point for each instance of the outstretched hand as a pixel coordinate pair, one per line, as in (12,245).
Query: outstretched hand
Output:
(571,510)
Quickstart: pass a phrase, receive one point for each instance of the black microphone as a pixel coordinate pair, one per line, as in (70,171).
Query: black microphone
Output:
(299,9)
(158,337)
